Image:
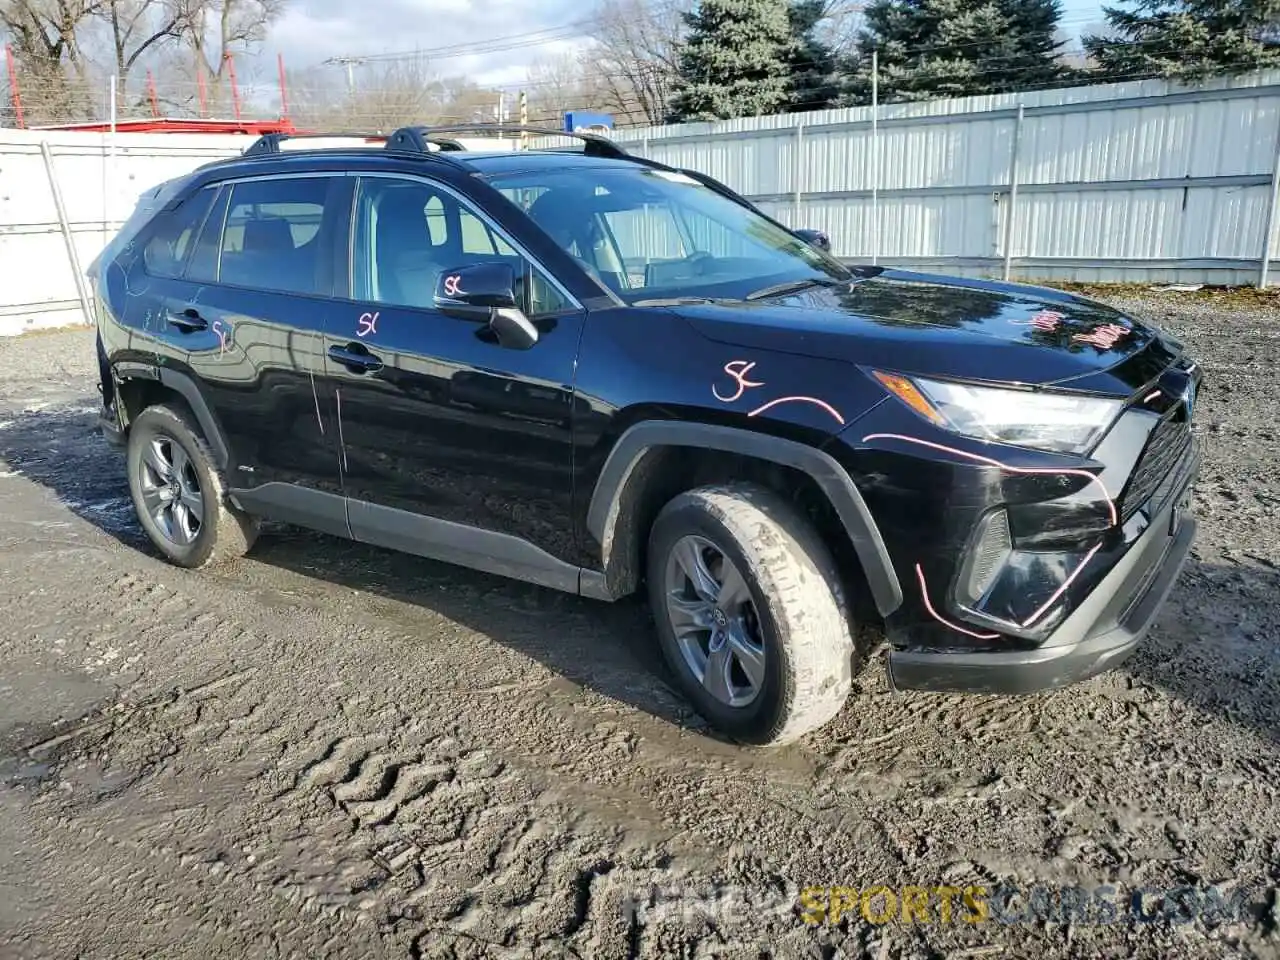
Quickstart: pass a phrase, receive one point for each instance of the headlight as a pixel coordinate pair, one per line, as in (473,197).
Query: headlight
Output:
(1060,422)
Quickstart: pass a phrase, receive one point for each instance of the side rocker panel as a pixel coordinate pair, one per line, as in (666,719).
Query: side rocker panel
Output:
(628,455)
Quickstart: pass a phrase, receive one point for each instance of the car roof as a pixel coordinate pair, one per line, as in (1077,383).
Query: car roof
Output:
(486,163)
(520,161)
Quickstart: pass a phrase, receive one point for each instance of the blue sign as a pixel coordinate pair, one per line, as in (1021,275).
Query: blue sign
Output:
(584,121)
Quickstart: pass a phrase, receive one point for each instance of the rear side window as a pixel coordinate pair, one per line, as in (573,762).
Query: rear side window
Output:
(173,235)
(203,264)
(271,240)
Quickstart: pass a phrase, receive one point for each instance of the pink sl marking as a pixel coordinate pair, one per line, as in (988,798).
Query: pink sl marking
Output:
(1105,337)
(814,400)
(1092,478)
(1062,589)
(924,595)
(368,323)
(1047,320)
(738,369)
(452,285)
(222,336)
(1151,396)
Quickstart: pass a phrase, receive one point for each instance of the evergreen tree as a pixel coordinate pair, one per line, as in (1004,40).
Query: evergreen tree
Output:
(957,48)
(814,78)
(734,61)
(1186,39)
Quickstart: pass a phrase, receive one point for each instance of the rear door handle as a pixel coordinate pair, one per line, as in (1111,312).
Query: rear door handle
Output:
(188,320)
(355,358)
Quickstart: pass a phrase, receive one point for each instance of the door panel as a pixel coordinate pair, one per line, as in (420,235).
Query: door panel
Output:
(253,317)
(438,421)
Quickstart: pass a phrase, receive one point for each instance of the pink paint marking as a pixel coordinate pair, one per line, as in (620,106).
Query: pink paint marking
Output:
(222,337)
(814,400)
(452,285)
(738,369)
(368,323)
(1092,478)
(1151,396)
(1047,320)
(1062,589)
(1104,337)
(924,595)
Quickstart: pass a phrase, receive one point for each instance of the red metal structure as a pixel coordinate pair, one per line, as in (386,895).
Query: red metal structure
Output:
(181,125)
(13,86)
(151,91)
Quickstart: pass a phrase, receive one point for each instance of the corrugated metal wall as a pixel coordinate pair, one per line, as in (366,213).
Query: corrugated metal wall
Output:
(100,186)
(1142,181)
(1138,181)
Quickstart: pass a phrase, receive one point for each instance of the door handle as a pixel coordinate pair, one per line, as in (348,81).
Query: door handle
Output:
(355,358)
(188,320)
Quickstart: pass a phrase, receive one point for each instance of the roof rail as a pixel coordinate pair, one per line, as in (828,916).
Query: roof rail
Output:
(417,139)
(270,142)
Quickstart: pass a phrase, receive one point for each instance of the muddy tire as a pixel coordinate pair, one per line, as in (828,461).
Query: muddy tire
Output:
(179,493)
(748,609)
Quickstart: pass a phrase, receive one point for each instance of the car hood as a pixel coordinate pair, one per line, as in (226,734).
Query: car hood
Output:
(931,325)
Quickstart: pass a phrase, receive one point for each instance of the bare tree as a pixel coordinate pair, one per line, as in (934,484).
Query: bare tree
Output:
(556,84)
(138,26)
(838,27)
(139,29)
(53,70)
(635,57)
(216,30)
(393,95)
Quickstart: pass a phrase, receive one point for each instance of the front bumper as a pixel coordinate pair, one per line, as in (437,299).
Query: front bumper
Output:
(1100,633)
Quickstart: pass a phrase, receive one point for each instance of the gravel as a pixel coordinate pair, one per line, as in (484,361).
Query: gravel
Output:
(330,750)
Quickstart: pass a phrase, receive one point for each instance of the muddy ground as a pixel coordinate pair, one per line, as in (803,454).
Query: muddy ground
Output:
(326,750)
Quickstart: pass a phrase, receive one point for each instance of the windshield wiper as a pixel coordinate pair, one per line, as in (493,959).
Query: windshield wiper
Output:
(673,301)
(791,286)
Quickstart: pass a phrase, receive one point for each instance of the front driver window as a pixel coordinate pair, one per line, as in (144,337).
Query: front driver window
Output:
(408,232)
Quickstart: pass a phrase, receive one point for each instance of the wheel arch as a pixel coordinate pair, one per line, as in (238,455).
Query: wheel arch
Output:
(141,385)
(633,464)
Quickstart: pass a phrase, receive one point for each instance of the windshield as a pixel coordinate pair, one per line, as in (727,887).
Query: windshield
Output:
(658,235)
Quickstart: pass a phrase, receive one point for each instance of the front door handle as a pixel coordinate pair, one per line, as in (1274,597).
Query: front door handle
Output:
(355,358)
(188,320)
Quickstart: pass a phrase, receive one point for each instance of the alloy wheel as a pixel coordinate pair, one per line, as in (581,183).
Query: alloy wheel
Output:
(171,490)
(714,620)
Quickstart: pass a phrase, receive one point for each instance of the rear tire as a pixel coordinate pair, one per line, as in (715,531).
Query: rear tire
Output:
(180,494)
(756,633)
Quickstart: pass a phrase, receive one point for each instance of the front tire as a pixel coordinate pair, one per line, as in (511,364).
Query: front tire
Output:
(178,491)
(748,608)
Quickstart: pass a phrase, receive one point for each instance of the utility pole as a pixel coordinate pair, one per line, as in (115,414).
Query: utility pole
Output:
(349,63)
(524,117)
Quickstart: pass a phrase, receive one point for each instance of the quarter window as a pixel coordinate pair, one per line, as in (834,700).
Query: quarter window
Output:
(167,250)
(272,235)
(409,232)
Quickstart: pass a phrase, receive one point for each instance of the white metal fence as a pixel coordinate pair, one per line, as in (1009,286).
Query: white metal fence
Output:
(63,196)
(1145,181)
(1141,181)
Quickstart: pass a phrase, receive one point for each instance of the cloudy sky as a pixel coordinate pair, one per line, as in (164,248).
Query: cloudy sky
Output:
(316,30)
(319,29)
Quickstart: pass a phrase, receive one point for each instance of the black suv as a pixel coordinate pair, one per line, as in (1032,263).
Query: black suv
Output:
(596,372)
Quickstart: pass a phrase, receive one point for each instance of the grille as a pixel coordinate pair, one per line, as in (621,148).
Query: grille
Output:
(1167,445)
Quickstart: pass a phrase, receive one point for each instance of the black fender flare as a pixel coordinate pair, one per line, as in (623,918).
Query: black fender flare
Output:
(832,479)
(183,385)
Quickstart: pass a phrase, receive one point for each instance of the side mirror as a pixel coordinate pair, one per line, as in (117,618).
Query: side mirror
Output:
(815,238)
(486,292)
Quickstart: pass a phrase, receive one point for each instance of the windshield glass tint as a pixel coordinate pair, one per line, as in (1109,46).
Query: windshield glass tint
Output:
(653,235)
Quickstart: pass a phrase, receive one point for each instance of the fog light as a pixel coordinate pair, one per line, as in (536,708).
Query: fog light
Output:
(988,551)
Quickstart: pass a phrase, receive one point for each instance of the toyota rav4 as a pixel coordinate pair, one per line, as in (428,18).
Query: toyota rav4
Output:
(603,374)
